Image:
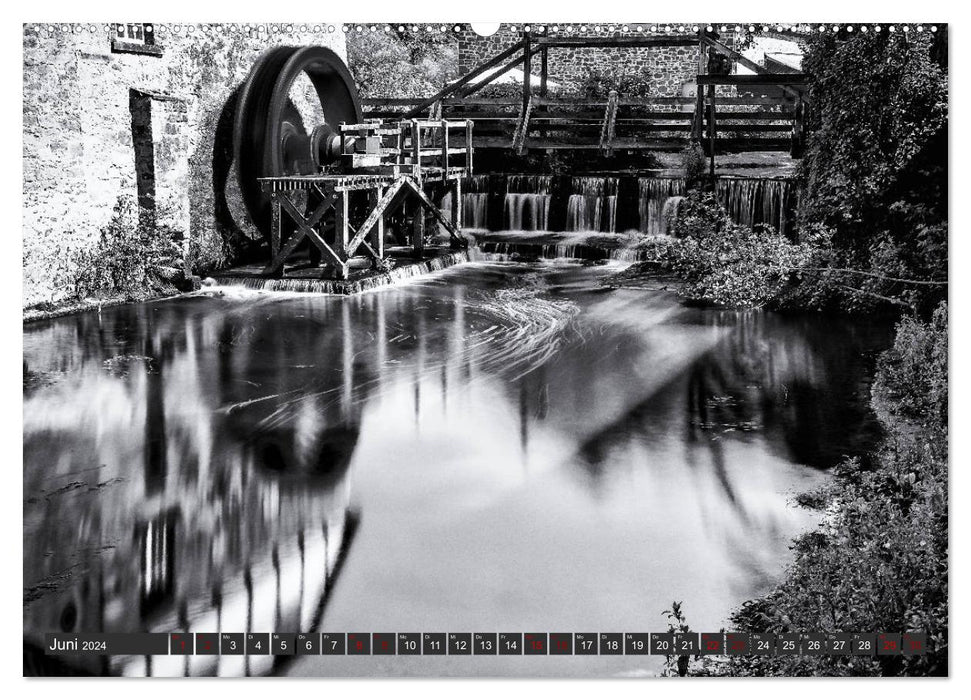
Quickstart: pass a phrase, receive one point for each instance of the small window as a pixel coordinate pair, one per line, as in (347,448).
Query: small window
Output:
(134,37)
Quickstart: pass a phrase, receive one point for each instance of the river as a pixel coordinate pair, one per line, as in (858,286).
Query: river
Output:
(497,447)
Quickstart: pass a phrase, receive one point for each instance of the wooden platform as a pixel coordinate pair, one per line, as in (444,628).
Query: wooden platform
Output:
(383,164)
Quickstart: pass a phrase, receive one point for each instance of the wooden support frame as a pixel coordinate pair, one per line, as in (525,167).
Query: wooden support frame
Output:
(424,153)
(305,229)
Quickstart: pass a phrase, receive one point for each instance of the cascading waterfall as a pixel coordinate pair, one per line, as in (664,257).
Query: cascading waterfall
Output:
(669,212)
(527,202)
(655,192)
(751,201)
(475,210)
(610,204)
(475,201)
(592,206)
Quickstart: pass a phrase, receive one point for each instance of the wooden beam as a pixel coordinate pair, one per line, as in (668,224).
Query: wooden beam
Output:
(522,127)
(280,255)
(699,113)
(457,208)
(608,127)
(430,206)
(544,70)
(471,89)
(383,205)
(771,79)
(342,222)
(461,82)
(275,224)
(527,73)
(617,42)
(375,198)
(418,229)
(307,231)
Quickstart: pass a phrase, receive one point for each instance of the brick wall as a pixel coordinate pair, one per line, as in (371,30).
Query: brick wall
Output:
(666,70)
(86,111)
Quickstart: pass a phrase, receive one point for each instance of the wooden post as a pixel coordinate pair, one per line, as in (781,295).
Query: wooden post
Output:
(376,196)
(527,68)
(275,224)
(697,124)
(798,129)
(608,128)
(341,224)
(444,148)
(418,231)
(711,129)
(416,150)
(468,148)
(401,144)
(543,70)
(457,214)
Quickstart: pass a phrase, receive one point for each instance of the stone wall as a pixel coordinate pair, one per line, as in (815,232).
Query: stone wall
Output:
(667,71)
(109,124)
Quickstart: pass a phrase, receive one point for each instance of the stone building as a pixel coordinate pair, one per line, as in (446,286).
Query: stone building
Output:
(129,124)
(664,71)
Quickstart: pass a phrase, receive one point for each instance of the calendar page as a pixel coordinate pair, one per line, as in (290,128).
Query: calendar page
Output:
(571,349)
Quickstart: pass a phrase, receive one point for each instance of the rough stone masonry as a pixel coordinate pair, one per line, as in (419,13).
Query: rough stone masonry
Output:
(665,71)
(129,121)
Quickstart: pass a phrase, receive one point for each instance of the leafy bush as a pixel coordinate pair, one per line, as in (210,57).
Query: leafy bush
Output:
(598,83)
(875,168)
(722,262)
(693,162)
(386,65)
(879,562)
(131,261)
(911,382)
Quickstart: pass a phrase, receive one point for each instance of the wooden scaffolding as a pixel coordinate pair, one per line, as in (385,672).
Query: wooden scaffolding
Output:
(382,165)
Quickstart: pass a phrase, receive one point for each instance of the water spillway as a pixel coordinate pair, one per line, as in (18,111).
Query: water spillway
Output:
(654,194)
(752,201)
(613,203)
(592,204)
(526,204)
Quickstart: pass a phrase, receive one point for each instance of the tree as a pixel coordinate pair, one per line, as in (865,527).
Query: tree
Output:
(875,168)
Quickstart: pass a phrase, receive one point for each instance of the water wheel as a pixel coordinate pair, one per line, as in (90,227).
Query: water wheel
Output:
(270,138)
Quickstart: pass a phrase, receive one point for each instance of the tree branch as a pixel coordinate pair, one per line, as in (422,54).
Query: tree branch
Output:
(868,274)
(891,300)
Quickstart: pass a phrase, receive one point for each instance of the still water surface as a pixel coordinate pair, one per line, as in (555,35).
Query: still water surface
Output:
(498,447)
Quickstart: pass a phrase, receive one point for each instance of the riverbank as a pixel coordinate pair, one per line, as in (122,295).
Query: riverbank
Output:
(66,307)
(879,562)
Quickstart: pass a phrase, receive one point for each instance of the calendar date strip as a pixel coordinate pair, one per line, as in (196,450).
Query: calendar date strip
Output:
(487,644)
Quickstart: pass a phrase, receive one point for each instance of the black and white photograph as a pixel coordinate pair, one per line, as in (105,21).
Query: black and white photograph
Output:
(485,350)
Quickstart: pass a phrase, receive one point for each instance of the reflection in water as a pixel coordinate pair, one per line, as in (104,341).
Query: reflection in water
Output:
(527,449)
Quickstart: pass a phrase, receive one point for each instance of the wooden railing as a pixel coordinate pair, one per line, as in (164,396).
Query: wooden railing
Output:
(533,119)
(728,128)
(656,123)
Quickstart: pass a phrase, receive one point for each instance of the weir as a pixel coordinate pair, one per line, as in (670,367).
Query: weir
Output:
(614,203)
